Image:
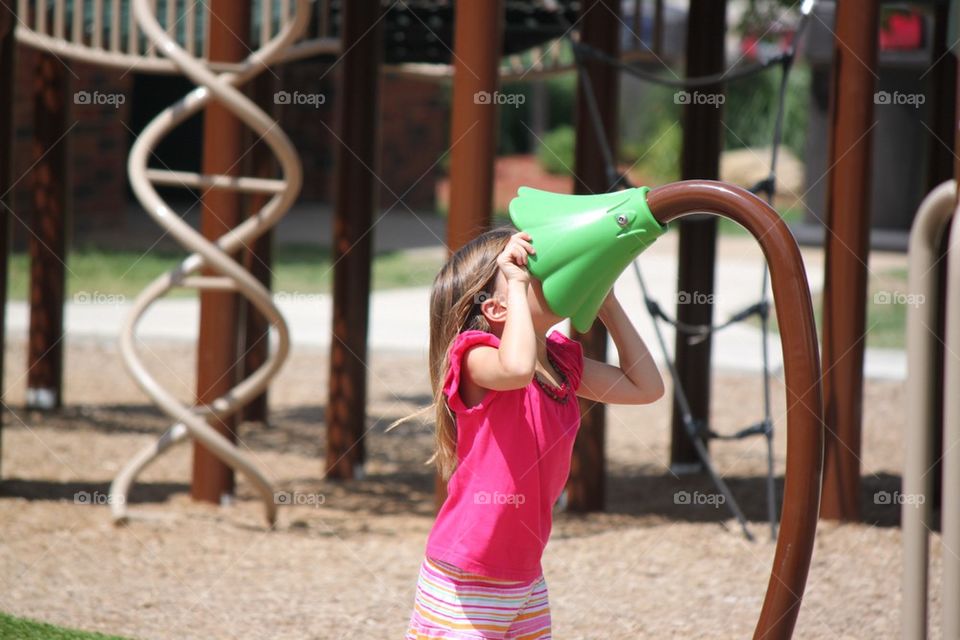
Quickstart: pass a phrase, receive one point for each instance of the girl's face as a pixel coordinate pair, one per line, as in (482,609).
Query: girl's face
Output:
(543,317)
(539,309)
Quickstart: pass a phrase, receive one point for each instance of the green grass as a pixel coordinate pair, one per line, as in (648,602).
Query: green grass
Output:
(297,268)
(22,629)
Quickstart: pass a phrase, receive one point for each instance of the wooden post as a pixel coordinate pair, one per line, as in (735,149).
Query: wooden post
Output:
(600,28)
(48,232)
(7,68)
(478,38)
(356,200)
(702,144)
(943,76)
(847,248)
(217,350)
(258,257)
(478,43)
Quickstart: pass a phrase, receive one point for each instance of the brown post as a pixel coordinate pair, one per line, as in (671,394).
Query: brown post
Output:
(356,200)
(943,76)
(258,257)
(217,350)
(7,49)
(48,231)
(702,144)
(477,43)
(600,28)
(847,248)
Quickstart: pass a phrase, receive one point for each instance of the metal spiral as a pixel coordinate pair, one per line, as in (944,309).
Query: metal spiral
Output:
(192,420)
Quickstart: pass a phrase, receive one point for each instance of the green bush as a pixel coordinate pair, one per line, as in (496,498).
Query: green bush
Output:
(655,138)
(750,110)
(514,119)
(555,152)
(653,134)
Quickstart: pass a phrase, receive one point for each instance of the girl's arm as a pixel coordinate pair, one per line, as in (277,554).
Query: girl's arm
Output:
(512,365)
(637,380)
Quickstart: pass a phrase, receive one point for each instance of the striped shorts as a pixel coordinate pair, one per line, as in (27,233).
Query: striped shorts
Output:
(451,603)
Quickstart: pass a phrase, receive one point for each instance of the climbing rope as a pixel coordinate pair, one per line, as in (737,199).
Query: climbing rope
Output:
(698,431)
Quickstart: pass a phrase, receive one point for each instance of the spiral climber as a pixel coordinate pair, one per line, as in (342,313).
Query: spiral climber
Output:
(210,256)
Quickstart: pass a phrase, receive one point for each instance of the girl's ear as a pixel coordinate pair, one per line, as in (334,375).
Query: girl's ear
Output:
(493,309)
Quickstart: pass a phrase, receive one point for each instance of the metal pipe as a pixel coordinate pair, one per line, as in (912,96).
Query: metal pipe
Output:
(926,233)
(950,504)
(96,41)
(804,462)
(223,88)
(114,24)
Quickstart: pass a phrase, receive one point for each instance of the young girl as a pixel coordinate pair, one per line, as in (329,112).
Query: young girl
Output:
(506,418)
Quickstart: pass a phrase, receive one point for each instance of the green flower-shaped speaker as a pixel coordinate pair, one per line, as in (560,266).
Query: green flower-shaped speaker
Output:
(583,244)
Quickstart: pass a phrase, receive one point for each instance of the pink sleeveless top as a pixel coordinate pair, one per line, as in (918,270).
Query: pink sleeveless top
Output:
(513,459)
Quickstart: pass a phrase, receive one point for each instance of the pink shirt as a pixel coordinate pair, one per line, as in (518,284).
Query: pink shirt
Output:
(513,459)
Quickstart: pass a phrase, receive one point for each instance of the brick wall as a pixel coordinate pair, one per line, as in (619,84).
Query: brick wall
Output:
(98,103)
(413,130)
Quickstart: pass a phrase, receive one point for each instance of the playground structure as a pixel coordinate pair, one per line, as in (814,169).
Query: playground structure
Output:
(99,38)
(936,222)
(230,275)
(477,42)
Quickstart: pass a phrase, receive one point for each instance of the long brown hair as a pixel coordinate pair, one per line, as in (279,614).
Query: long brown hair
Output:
(458,290)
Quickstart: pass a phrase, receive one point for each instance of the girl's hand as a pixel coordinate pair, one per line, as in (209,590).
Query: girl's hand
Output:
(513,259)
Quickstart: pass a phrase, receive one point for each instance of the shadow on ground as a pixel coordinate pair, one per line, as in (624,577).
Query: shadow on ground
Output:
(397,480)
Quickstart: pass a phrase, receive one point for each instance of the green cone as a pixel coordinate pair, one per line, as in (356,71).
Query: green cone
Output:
(583,244)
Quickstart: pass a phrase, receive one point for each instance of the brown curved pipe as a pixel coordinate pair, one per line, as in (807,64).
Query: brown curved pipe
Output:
(801,363)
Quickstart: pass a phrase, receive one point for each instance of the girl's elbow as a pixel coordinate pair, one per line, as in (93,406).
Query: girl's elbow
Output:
(523,378)
(518,374)
(657,391)
(648,394)
(516,377)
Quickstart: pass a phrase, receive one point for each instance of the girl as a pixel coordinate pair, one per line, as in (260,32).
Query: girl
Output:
(506,419)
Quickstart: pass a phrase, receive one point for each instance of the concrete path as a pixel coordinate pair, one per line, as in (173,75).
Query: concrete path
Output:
(399,317)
